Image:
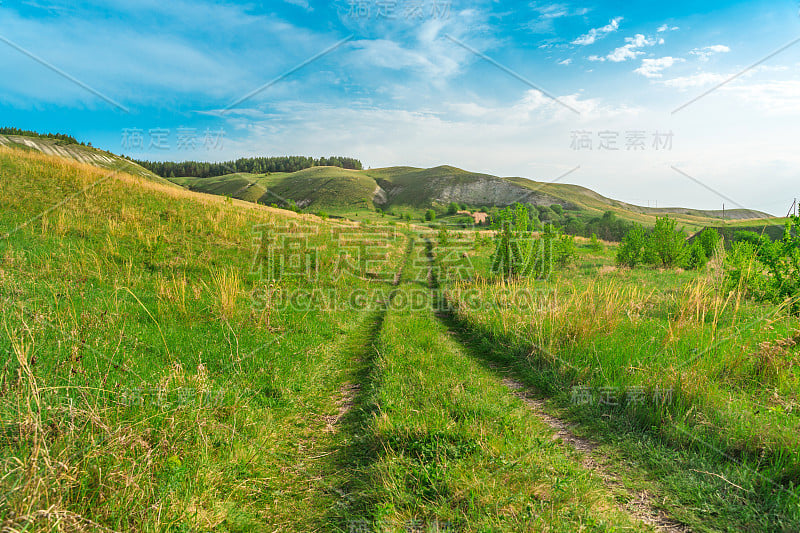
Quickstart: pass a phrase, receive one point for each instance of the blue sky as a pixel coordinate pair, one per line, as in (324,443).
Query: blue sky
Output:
(412,85)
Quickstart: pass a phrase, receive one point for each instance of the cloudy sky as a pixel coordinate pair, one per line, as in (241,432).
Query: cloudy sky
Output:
(607,91)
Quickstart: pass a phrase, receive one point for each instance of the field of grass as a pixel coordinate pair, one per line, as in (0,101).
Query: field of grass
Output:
(148,382)
(177,361)
(694,384)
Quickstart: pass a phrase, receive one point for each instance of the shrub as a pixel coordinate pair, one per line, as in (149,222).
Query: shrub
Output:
(631,251)
(666,244)
(566,252)
(767,270)
(709,240)
(594,243)
(743,271)
(696,257)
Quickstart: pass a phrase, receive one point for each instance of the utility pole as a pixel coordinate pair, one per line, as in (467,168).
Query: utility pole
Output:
(723,213)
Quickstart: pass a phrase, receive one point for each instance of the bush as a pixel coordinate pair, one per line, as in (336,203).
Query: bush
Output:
(631,251)
(709,240)
(430,215)
(767,270)
(594,244)
(565,252)
(696,258)
(743,271)
(666,244)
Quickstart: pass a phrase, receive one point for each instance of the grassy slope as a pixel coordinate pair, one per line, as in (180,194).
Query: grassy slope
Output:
(724,452)
(143,387)
(84,154)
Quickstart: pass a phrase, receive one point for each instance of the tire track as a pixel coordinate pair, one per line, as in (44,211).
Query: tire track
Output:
(357,407)
(640,506)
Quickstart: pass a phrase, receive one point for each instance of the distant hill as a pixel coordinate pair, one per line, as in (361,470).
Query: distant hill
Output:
(342,190)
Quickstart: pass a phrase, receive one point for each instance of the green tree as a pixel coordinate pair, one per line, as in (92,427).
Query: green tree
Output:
(512,252)
(430,215)
(521,219)
(452,208)
(666,244)
(594,243)
(696,257)
(444,237)
(566,252)
(631,250)
(709,240)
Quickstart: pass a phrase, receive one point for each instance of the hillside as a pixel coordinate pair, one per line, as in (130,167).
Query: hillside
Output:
(344,191)
(80,153)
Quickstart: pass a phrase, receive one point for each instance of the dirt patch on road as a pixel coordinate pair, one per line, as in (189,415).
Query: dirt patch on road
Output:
(346,401)
(640,505)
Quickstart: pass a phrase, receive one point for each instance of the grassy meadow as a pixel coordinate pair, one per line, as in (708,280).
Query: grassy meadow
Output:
(691,382)
(179,361)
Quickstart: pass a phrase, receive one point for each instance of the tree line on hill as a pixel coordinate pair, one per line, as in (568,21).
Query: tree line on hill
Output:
(29,133)
(250,165)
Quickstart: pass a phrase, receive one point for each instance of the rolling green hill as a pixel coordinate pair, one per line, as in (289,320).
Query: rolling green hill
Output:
(344,192)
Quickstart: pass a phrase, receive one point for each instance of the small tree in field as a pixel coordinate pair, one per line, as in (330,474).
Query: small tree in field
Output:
(511,254)
(430,215)
(594,243)
(709,240)
(666,244)
(631,251)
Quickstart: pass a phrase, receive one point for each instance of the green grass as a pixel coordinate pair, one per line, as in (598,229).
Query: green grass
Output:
(715,376)
(145,385)
(156,377)
(434,438)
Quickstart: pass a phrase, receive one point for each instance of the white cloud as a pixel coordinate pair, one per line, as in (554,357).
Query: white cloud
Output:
(666,27)
(565,62)
(596,58)
(624,53)
(546,13)
(707,51)
(776,96)
(300,3)
(697,80)
(651,68)
(598,33)
(627,51)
